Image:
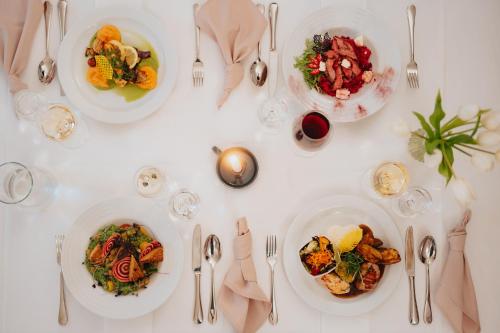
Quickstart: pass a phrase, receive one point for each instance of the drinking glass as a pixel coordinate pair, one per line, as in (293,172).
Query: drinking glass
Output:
(415,201)
(184,204)
(311,131)
(56,121)
(390,179)
(28,187)
(149,181)
(272,113)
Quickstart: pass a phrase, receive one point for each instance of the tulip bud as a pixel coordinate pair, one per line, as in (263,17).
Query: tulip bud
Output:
(434,159)
(483,161)
(491,120)
(463,191)
(468,112)
(488,138)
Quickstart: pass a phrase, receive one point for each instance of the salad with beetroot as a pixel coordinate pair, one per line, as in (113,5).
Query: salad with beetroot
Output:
(337,66)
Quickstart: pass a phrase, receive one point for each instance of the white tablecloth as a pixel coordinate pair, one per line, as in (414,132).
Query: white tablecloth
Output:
(457,50)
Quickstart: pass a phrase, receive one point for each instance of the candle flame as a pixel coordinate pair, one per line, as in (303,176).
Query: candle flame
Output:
(235,163)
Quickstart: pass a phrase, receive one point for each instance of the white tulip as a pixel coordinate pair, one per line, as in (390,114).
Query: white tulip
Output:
(401,128)
(491,120)
(483,161)
(488,138)
(434,159)
(497,155)
(467,112)
(463,191)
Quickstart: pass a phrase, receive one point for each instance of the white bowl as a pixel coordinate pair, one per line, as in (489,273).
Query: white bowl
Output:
(385,57)
(162,284)
(136,25)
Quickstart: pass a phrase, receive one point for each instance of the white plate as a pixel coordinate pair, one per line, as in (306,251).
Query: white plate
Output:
(136,26)
(79,281)
(316,219)
(352,22)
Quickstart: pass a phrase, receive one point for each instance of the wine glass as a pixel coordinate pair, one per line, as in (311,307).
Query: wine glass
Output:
(56,121)
(149,181)
(311,131)
(415,201)
(184,205)
(28,187)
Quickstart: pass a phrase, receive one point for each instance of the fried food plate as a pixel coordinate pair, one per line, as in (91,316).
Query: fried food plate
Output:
(137,27)
(117,211)
(315,220)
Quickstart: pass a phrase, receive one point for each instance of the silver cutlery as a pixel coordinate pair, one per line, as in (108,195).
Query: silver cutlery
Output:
(62,9)
(258,70)
(273,53)
(212,251)
(271,260)
(47,67)
(63,313)
(198,72)
(411,68)
(196,262)
(410,271)
(427,256)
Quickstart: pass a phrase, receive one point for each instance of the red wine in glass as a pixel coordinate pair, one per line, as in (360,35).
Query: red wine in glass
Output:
(311,130)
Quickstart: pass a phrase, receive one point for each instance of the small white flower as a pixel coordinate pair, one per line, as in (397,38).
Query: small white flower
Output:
(322,66)
(468,112)
(345,63)
(491,120)
(359,41)
(434,159)
(463,191)
(482,161)
(401,128)
(488,138)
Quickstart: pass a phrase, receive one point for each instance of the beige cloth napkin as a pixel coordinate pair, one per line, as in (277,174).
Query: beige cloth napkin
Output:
(240,297)
(455,295)
(237,26)
(19,21)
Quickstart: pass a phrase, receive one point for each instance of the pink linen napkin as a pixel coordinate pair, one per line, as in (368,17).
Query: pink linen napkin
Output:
(241,299)
(19,21)
(237,26)
(455,295)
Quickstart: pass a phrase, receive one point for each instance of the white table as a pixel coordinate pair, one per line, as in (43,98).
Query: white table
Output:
(178,139)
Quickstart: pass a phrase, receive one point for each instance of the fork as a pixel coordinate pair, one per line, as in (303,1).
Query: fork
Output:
(197,64)
(411,68)
(63,314)
(271,260)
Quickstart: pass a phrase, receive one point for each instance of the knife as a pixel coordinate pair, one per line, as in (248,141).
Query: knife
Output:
(273,53)
(410,271)
(196,261)
(62,9)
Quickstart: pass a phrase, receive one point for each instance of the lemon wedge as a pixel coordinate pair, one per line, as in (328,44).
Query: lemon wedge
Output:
(131,56)
(345,238)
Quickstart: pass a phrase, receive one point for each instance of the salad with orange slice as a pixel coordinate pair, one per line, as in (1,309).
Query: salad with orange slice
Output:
(114,64)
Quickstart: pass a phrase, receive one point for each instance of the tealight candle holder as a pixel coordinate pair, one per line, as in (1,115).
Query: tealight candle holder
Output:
(236,166)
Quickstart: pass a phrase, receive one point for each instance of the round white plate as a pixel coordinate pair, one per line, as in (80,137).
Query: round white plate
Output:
(352,22)
(136,26)
(316,219)
(78,279)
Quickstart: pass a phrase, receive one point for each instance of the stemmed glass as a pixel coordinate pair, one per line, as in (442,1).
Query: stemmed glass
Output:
(311,131)
(56,121)
(391,180)
(28,187)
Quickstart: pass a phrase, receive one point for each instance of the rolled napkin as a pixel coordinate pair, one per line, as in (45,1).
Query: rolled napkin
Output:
(18,24)
(240,297)
(455,294)
(237,26)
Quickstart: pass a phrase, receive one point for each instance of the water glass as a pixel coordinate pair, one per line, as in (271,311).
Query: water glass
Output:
(28,187)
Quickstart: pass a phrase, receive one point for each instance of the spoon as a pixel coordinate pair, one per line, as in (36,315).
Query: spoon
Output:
(47,67)
(258,70)
(427,256)
(212,255)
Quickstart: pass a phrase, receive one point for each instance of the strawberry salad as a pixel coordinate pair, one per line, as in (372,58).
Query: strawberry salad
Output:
(337,66)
